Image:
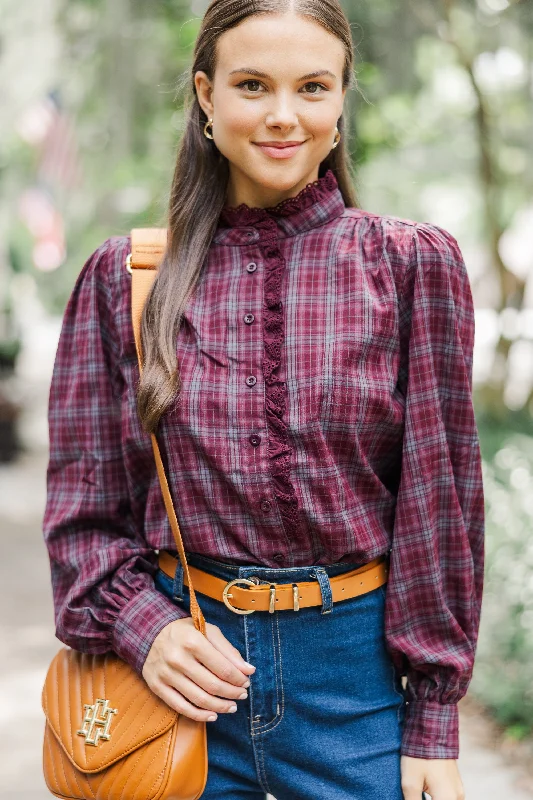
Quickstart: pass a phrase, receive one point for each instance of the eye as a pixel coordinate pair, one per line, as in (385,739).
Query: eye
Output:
(244,83)
(314,83)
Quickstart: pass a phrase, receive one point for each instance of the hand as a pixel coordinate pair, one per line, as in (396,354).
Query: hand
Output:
(183,665)
(437,776)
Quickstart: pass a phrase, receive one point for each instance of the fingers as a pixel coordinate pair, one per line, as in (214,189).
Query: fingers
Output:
(199,648)
(197,676)
(195,694)
(208,682)
(177,701)
(217,638)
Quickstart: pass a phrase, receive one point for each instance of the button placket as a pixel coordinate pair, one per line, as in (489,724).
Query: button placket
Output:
(271,253)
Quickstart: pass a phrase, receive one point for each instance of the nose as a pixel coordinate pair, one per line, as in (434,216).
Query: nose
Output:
(282,112)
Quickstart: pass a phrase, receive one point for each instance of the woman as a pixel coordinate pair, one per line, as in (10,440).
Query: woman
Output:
(321,418)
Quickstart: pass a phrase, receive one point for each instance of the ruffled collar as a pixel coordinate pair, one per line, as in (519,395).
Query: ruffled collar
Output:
(316,192)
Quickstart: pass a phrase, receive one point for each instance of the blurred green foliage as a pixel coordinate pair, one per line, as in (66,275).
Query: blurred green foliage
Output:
(503,671)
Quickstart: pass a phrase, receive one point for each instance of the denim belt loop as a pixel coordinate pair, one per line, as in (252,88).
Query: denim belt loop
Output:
(325,590)
(177,586)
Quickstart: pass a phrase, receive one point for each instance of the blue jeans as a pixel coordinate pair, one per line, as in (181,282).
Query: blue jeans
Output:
(325,707)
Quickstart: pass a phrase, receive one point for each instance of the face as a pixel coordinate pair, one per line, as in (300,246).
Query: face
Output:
(262,92)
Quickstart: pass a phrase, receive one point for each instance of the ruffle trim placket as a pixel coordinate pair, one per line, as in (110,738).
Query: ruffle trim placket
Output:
(279,447)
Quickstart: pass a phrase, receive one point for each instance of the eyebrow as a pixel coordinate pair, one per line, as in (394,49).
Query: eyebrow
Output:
(259,74)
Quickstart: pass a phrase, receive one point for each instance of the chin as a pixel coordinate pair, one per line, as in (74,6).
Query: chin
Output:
(279,177)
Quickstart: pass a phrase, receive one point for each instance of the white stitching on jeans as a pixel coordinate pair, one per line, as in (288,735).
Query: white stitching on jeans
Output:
(277,719)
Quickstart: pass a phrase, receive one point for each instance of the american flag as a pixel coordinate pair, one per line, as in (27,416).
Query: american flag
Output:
(59,164)
(51,129)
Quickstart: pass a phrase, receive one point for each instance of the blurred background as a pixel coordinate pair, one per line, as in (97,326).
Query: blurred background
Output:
(441,130)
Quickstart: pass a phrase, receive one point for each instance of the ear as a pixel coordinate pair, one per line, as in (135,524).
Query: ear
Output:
(204,89)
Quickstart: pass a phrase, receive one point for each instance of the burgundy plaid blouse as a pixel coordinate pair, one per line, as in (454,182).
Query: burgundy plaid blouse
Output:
(326,416)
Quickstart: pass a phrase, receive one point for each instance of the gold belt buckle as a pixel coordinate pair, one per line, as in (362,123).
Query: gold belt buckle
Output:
(272,596)
(226,593)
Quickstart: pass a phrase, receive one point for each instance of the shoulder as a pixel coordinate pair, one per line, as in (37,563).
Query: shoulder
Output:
(399,243)
(101,291)
(393,233)
(103,276)
(107,262)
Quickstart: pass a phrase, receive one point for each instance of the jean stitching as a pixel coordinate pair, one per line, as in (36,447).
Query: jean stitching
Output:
(277,719)
(261,763)
(257,747)
(260,728)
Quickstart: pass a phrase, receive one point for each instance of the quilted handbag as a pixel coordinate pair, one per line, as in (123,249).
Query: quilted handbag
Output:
(107,736)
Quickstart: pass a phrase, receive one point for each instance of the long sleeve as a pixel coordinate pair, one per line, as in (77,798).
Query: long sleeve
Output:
(434,592)
(101,566)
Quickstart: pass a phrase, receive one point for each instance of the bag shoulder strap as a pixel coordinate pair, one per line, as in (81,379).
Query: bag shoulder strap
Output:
(147,250)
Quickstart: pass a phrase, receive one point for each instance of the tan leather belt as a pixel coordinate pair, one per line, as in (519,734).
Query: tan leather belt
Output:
(279,596)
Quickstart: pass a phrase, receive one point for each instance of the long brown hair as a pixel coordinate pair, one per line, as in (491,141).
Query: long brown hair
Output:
(198,194)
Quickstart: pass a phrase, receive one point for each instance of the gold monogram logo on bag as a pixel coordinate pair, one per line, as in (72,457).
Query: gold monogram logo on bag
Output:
(96,727)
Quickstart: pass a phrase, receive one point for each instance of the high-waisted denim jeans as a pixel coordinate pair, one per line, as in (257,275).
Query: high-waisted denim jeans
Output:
(325,707)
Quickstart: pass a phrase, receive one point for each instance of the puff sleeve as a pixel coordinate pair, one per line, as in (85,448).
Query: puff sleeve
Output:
(434,593)
(101,565)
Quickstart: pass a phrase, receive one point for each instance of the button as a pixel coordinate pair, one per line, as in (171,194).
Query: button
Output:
(249,234)
(251,380)
(248,318)
(255,439)
(266,505)
(251,267)
(278,557)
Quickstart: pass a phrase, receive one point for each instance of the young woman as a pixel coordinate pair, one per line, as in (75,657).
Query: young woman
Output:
(308,372)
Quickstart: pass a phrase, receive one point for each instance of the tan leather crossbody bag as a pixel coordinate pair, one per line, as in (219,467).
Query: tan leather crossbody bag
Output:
(107,735)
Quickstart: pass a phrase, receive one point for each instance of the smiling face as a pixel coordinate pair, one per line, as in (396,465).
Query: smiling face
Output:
(278,79)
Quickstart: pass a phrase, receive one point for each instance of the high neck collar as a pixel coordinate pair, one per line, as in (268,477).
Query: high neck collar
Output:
(315,204)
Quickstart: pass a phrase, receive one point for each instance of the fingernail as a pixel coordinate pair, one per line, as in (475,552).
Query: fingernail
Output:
(231,709)
(243,695)
(246,685)
(212,718)
(250,665)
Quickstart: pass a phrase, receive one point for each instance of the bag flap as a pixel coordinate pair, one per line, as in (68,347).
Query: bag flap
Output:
(99,709)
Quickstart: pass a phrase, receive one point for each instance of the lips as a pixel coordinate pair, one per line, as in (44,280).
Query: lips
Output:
(279,149)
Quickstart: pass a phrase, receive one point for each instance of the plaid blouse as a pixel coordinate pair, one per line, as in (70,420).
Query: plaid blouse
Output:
(325,416)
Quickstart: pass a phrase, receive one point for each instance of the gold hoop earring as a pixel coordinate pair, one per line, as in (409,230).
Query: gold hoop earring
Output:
(337,138)
(209,122)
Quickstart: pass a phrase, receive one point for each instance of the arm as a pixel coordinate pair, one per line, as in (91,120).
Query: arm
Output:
(435,584)
(101,566)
